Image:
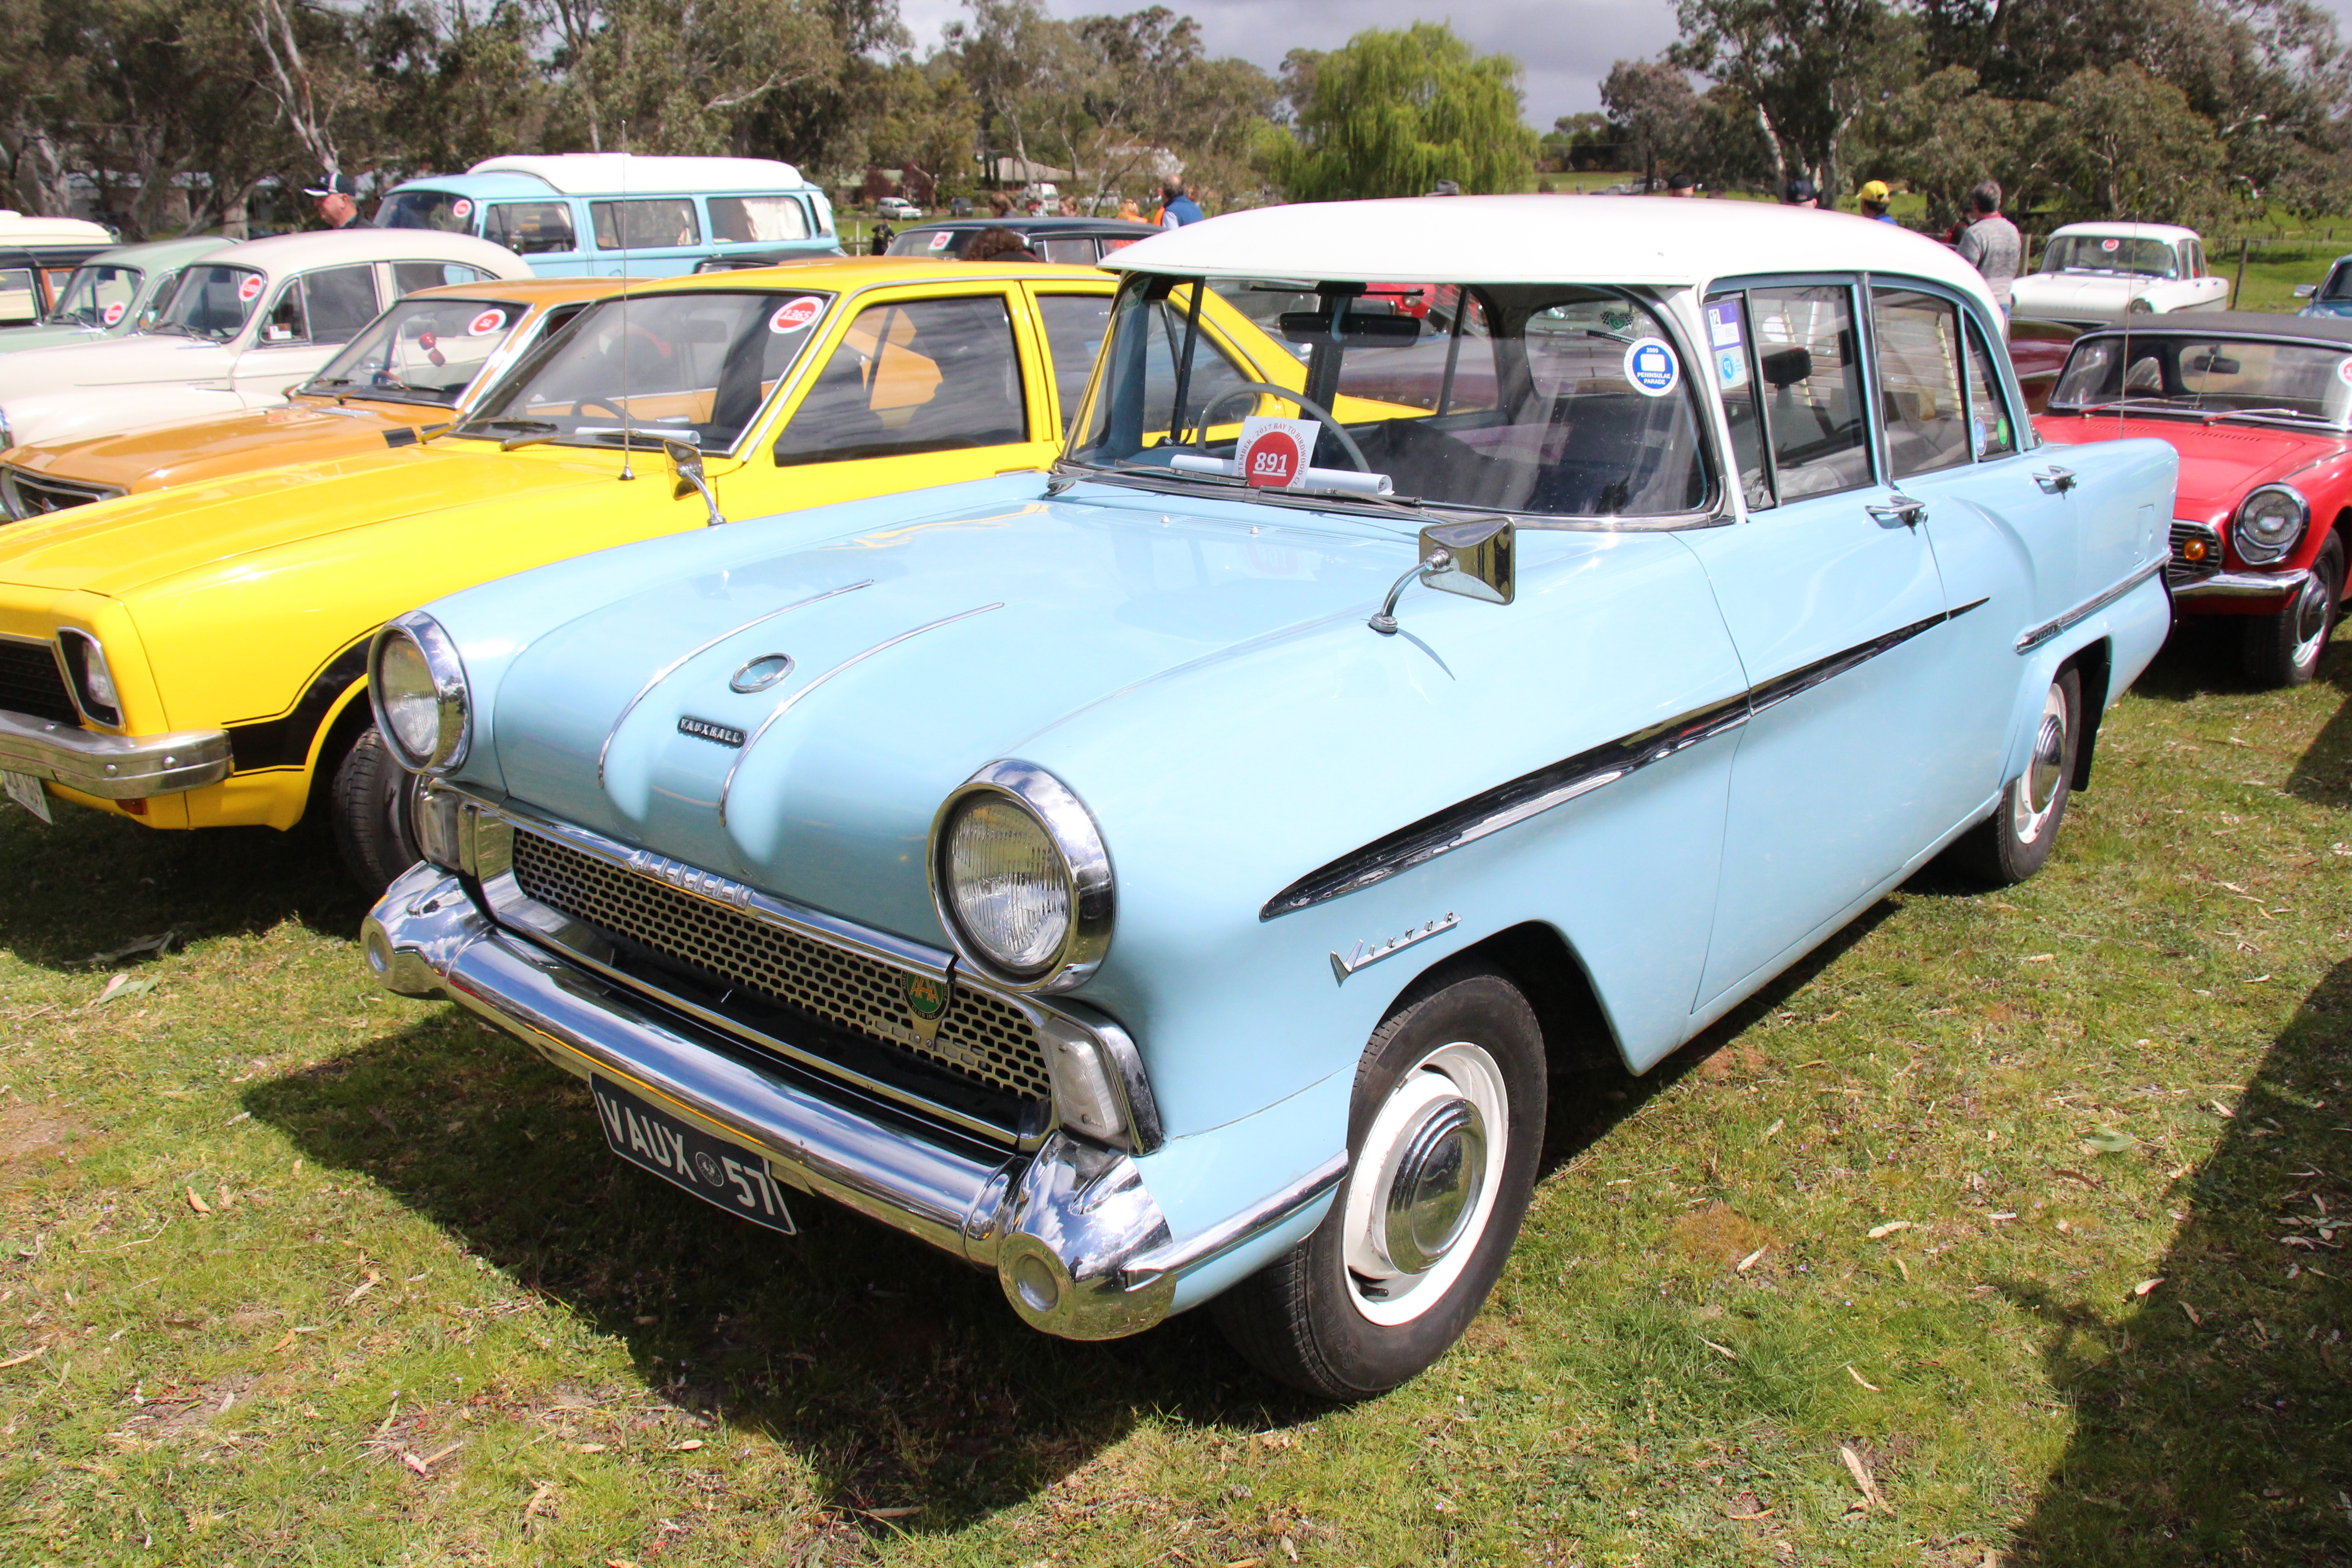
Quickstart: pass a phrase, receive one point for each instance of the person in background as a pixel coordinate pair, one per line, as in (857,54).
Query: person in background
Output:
(1068,208)
(1176,208)
(1875,199)
(1681,185)
(883,234)
(1990,243)
(1000,245)
(1800,193)
(1128,211)
(1000,204)
(338,200)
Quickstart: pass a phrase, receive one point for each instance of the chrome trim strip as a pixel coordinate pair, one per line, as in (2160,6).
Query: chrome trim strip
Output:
(1362,957)
(1178,1257)
(2090,607)
(113,767)
(680,662)
(1531,795)
(2242,585)
(727,786)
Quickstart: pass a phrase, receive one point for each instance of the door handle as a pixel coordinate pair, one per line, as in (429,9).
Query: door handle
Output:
(2055,480)
(1901,508)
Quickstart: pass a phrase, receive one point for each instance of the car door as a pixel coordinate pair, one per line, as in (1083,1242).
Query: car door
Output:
(917,389)
(1833,599)
(311,315)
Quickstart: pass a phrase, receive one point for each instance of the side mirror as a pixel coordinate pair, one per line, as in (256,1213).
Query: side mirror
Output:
(2306,290)
(1477,560)
(686,477)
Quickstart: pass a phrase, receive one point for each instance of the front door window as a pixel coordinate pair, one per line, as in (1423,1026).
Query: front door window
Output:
(921,375)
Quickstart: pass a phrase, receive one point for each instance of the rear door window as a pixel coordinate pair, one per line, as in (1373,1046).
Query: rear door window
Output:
(531,228)
(1919,341)
(1991,429)
(653,223)
(329,306)
(922,375)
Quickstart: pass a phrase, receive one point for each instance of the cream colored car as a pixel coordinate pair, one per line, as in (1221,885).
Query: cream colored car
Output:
(2096,274)
(244,323)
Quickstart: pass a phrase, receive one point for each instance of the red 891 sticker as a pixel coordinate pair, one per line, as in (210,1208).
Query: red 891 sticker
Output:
(483,325)
(249,288)
(794,315)
(1272,454)
(112,314)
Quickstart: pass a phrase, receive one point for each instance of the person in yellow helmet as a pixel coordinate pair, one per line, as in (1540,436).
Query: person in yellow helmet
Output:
(1876,198)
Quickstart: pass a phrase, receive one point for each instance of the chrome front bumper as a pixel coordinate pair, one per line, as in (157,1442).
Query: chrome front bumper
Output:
(2280,586)
(112,767)
(1072,1234)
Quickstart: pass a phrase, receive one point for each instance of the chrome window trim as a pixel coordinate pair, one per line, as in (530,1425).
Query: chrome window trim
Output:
(1077,837)
(2028,641)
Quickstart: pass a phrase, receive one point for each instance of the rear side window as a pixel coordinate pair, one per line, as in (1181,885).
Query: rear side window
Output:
(927,376)
(408,277)
(325,307)
(747,220)
(1809,361)
(1988,423)
(652,223)
(1919,381)
(445,212)
(1074,252)
(531,228)
(1076,325)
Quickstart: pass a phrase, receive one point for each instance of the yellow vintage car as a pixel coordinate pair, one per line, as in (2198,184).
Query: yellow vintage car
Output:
(414,370)
(194,656)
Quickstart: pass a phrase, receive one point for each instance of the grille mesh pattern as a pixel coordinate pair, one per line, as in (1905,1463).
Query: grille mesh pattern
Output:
(28,495)
(31,685)
(980,1036)
(2181,569)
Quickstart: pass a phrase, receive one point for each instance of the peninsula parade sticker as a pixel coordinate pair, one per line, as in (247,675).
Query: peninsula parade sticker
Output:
(794,315)
(461,207)
(1272,454)
(483,325)
(249,288)
(114,312)
(1652,367)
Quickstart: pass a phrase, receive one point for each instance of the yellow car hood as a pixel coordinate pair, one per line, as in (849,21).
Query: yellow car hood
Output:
(189,451)
(115,547)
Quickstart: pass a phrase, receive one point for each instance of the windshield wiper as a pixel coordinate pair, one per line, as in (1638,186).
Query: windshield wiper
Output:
(2218,413)
(529,432)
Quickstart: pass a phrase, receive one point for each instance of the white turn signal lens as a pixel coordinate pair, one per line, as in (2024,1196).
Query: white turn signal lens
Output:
(1008,884)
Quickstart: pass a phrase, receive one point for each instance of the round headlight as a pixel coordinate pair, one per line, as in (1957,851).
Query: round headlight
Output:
(2269,524)
(1020,879)
(417,684)
(2139,306)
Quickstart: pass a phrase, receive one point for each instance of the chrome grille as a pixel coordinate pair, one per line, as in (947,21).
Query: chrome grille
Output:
(980,1036)
(31,683)
(28,495)
(2179,569)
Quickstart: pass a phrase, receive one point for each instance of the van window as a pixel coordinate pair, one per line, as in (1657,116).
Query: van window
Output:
(443,212)
(933,375)
(408,277)
(324,307)
(651,223)
(531,228)
(1075,252)
(742,220)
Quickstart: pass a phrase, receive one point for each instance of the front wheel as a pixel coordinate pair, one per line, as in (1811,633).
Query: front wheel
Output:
(374,813)
(2284,649)
(1444,1134)
(2012,843)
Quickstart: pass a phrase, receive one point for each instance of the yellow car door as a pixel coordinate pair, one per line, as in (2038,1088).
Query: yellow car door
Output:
(922,386)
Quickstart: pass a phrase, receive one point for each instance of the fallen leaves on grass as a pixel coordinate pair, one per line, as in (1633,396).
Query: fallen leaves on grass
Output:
(1879,1232)
(2145,1286)
(1726,1352)
(364,1287)
(1861,1380)
(21,1360)
(1750,1261)
(121,985)
(197,1202)
(2108,1141)
(1862,1479)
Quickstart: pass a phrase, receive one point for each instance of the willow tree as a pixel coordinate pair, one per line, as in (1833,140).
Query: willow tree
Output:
(1391,113)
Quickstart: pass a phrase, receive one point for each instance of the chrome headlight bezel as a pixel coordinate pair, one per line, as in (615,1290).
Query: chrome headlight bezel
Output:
(452,695)
(86,671)
(2257,550)
(1070,829)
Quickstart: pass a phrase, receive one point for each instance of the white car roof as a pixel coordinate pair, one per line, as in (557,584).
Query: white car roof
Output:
(1542,240)
(283,253)
(2171,234)
(618,173)
(15,229)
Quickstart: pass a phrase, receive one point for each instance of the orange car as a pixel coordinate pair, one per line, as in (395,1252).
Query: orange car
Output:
(414,370)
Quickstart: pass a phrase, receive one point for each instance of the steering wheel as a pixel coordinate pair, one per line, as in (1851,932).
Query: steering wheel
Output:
(1306,405)
(588,403)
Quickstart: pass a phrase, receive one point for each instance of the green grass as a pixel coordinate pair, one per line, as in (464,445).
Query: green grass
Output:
(417,1247)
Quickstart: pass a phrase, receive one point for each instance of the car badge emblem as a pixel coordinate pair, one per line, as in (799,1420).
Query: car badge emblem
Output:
(704,730)
(927,997)
(761,673)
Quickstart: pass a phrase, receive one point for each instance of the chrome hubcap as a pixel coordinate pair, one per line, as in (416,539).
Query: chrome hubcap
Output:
(1424,1182)
(1429,1198)
(2311,618)
(2037,793)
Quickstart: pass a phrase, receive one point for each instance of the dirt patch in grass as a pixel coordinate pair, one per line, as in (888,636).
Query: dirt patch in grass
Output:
(1718,1233)
(35,1138)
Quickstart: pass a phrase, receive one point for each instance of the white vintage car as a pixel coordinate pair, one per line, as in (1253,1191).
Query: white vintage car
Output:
(2095,274)
(243,325)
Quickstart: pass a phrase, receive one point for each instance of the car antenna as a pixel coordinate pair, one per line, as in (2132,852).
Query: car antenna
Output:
(621,227)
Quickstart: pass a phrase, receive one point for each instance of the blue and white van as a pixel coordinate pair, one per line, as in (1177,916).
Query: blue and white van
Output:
(610,214)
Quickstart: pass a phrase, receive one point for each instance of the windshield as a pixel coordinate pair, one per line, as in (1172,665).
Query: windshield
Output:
(212,302)
(684,367)
(934,242)
(442,211)
(1545,399)
(2213,376)
(2108,253)
(420,351)
(98,297)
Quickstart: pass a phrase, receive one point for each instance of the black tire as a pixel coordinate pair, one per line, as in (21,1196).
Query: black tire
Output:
(2284,650)
(1299,1319)
(375,811)
(2011,844)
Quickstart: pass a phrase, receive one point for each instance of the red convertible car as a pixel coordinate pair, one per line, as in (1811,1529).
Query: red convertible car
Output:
(2260,409)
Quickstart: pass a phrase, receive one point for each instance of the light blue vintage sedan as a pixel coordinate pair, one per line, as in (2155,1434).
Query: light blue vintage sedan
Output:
(1172,880)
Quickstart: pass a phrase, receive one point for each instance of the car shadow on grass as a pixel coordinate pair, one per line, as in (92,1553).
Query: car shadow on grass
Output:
(2210,1416)
(92,883)
(2324,772)
(901,1376)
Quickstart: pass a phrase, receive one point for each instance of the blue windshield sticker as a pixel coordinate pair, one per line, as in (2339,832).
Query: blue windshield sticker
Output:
(1652,367)
(1728,344)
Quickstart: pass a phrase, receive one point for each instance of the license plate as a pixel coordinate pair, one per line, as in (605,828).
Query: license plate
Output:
(712,1169)
(26,791)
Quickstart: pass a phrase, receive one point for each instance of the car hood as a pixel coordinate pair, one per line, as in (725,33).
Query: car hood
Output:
(16,338)
(120,546)
(2219,463)
(112,362)
(920,653)
(302,431)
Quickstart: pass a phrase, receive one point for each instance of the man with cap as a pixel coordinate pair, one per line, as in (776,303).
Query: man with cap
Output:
(337,196)
(1800,193)
(1876,197)
(1682,186)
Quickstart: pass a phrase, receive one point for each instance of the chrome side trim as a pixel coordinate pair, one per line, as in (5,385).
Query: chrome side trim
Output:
(112,767)
(727,786)
(2242,585)
(1531,795)
(682,661)
(1362,957)
(2090,607)
(1178,1257)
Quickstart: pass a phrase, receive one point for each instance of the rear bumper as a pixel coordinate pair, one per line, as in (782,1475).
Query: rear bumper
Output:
(1073,1236)
(112,767)
(2239,593)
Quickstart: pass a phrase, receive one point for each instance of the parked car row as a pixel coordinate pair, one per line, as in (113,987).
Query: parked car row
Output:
(1139,775)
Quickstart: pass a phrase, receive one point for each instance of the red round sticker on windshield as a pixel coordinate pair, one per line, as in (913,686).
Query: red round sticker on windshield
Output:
(2111,245)
(248,289)
(1273,459)
(794,315)
(112,314)
(461,207)
(483,325)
